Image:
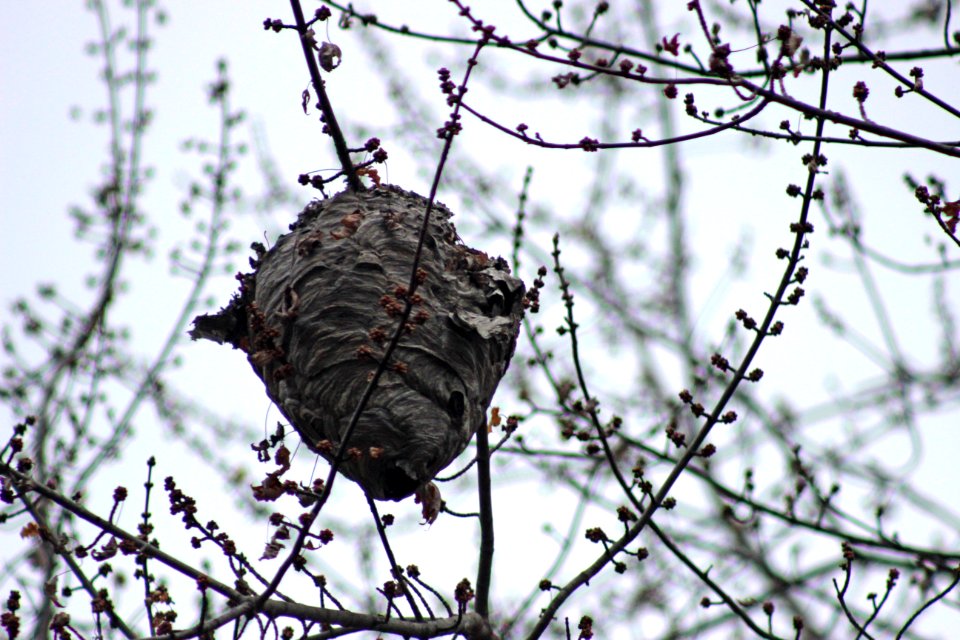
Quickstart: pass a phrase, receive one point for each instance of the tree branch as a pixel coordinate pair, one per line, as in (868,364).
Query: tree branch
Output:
(339,143)
(486,523)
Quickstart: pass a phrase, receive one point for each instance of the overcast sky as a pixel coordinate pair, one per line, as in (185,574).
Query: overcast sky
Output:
(48,161)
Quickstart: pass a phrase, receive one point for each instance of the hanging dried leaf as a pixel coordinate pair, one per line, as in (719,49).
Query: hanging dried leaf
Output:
(316,315)
(329,56)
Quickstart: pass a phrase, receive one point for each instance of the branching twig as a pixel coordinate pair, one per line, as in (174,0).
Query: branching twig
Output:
(395,569)
(929,603)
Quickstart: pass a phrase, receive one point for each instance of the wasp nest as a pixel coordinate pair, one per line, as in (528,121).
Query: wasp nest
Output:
(320,308)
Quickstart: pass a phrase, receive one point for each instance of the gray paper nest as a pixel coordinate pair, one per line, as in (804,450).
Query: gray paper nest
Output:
(321,306)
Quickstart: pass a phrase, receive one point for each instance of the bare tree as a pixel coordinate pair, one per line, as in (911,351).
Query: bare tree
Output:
(694,473)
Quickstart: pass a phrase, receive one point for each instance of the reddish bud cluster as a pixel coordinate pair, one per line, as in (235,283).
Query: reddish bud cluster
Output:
(719,61)
(589,144)
(270,23)
(564,79)
(391,589)
(847,551)
(624,514)
(596,534)
(446,85)
(451,127)
(463,593)
(391,305)
(861,92)
(747,322)
(325,446)
(364,352)
(531,299)
(586,628)
(720,362)
(180,502)
(892,577)
(10,621)
(677,438)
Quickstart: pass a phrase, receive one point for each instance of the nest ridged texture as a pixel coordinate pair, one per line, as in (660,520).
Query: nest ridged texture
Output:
(318,313)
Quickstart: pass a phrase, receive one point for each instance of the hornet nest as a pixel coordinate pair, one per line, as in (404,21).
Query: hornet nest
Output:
(321,306)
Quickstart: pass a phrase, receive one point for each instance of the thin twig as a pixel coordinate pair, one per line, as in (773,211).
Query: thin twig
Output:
(395,569)
(929,603)
(841,593)
(329,119)
(144,560)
